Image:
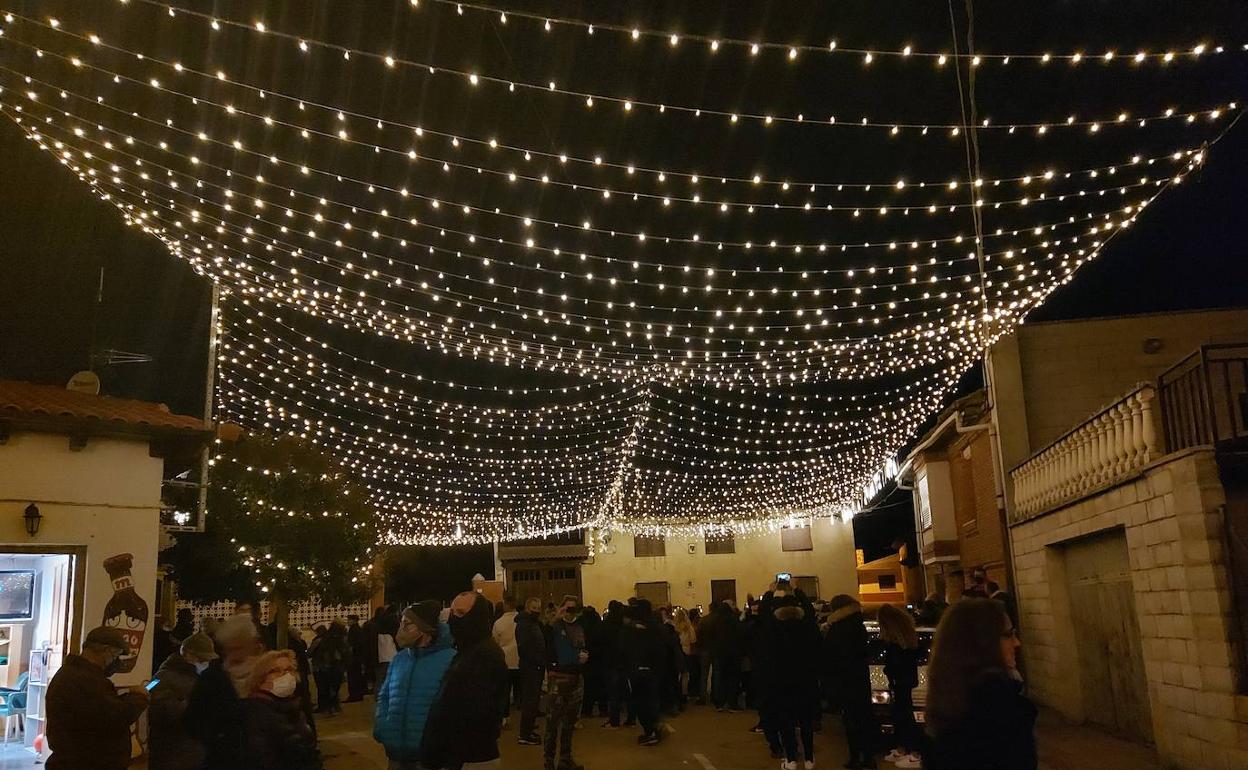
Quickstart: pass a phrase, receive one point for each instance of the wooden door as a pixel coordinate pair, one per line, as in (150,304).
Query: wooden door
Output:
(1111,660)
(723,590)
(548,581)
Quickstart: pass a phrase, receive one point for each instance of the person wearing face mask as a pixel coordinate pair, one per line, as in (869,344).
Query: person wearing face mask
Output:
(88,722)
(463,729)
(566,657)
(170,746)
(214,713)
(405,699)
(531,655)
(278,735)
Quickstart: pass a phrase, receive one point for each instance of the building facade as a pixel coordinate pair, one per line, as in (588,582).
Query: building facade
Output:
(80,525)
(1126,508)
(694,572)
(958,500)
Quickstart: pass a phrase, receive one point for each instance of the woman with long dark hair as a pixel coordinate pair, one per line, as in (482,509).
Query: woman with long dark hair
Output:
(977,715)
(901,666)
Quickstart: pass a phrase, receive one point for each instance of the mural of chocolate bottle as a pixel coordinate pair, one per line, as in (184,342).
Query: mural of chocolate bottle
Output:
(126,611)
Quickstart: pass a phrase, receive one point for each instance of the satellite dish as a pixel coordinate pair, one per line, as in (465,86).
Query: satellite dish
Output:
(84,382)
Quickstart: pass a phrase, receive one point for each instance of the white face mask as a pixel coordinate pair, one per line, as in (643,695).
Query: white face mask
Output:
(284,686)
(201,667)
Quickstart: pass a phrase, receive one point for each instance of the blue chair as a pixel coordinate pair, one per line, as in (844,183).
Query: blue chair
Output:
(13,707)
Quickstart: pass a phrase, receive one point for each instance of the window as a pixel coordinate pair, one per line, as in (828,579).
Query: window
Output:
(888,582)
(721,544)
(808,584)
(796,539)
(925,503)
(649,545)
(521,575)
(658,593)
(561,574)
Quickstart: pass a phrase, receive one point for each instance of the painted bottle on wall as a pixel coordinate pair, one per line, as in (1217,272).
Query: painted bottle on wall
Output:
(126,611)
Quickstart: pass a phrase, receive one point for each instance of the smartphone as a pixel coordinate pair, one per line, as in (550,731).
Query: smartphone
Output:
(784,576)
(150,685)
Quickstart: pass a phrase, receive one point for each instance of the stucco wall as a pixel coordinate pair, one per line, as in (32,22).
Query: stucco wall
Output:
(754,565)
(1172,521)
(105,496)
(1070,369)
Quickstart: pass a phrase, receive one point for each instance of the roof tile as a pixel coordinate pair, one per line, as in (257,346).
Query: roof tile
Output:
(27,400)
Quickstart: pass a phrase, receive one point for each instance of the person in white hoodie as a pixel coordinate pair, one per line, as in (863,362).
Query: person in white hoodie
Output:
(505,636)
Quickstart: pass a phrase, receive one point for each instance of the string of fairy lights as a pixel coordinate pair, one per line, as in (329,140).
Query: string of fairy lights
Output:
(505,334)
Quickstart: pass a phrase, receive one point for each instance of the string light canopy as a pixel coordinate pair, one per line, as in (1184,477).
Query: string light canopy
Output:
(524,274)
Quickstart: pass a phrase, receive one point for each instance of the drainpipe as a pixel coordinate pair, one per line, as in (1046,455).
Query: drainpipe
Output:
(994,437)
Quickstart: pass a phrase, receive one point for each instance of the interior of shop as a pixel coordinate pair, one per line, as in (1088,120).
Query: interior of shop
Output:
(35,616)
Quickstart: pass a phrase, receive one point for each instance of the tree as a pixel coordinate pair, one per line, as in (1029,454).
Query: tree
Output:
(285,523)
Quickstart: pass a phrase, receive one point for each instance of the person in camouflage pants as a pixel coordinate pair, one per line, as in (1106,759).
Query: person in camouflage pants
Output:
(565,684)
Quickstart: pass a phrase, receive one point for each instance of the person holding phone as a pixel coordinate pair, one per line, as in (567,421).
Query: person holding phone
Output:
(171,747)
(88,722)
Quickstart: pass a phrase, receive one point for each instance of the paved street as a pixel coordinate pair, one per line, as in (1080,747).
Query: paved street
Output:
(706,740)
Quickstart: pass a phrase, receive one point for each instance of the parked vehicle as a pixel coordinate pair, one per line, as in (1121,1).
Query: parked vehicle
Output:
(880,696)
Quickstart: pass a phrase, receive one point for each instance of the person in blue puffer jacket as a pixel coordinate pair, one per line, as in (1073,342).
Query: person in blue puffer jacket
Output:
(412,684)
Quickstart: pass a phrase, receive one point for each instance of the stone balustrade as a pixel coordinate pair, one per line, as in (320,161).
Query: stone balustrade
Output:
(1111,446)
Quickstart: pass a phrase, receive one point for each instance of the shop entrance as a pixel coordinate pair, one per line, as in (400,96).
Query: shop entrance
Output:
(41,599)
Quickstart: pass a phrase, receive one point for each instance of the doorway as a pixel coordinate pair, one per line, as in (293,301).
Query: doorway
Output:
(723,591)
(549,581)
(1107,635)
(42,592)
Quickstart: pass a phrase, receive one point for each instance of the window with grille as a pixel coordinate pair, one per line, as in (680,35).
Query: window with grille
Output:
(807,584)
(649,545)
(721,544)
(796,539)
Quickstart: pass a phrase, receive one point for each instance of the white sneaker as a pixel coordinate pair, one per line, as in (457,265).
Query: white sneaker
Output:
(909,760)
(809,764)
(785,765)
(894,755)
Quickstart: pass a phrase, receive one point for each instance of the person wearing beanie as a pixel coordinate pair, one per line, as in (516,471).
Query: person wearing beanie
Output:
(465,724)
(406,697)
(170,746)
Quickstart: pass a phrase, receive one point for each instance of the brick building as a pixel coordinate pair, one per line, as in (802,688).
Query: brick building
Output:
(958,502)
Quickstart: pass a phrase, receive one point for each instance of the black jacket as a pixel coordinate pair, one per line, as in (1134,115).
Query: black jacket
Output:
(214,716)
(901,666)
(604,644)
(997,732)
(170,746)
(88,722)
(642,646)
(846,658)
(465,722)
(278,735)
(530,641)
(793,651)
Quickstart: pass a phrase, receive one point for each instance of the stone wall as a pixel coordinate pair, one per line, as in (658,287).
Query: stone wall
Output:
(1172,518)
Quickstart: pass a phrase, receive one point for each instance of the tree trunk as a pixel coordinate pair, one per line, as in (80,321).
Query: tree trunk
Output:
(281,619)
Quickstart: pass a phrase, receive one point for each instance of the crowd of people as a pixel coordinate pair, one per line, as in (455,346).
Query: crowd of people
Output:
(446,680)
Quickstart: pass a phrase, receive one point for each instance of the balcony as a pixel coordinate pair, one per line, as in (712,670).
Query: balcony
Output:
(1200,401)
(1104,450)
(1204,398)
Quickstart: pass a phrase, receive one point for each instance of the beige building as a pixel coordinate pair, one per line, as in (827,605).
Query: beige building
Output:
(691,572)
(80,506)
(1127,505)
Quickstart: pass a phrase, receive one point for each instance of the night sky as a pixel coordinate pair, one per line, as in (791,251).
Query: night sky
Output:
(1186,251)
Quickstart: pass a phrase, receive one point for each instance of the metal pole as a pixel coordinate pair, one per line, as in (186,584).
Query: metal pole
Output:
(209,392)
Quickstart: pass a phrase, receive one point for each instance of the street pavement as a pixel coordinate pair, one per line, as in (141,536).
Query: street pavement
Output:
(703,739)
(699,739)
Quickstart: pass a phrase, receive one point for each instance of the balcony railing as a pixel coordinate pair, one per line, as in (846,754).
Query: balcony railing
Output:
(1204,398)
(1115,443)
